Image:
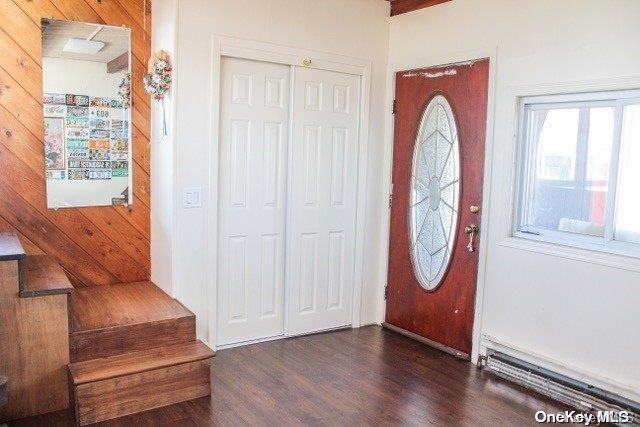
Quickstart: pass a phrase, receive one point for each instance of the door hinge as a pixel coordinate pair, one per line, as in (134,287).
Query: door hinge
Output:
(393,108)
(390,200)
(386,292)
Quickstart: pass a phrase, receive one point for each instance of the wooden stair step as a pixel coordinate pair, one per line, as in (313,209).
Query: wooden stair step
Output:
(42,275)
(10,247)
(116,386)
(99,307)
(139,361)
(113,319)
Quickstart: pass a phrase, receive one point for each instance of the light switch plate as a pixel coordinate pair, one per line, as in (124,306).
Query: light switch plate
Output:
(192,197)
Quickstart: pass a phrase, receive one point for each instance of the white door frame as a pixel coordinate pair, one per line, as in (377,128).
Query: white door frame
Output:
(490,53)
(268,52)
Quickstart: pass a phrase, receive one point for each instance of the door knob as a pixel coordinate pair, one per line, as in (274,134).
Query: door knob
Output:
(471,230)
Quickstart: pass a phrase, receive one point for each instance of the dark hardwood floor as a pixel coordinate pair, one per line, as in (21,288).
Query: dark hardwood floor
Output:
(367,376)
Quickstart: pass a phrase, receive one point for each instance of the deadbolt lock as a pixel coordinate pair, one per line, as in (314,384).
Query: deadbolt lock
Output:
(474,209)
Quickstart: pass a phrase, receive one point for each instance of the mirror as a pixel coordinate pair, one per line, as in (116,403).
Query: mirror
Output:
(87,114)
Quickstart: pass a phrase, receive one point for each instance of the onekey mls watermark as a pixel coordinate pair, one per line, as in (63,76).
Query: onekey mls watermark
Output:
(586,418)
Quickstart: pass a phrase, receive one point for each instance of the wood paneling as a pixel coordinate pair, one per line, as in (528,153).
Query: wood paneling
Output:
(403,6)
(98,245)
(35,349)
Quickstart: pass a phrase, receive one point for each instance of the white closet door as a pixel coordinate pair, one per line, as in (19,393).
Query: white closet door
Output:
(252,200)
(323,196)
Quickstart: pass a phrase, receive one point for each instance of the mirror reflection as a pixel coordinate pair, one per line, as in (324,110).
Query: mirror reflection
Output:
(87,115)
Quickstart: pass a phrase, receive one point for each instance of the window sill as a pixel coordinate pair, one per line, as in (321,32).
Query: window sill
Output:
(592,256)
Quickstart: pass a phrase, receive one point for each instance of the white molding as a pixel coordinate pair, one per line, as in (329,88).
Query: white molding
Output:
(292,56)
(577,254)
(558,366)
(491,53)
(363,157)
(173,129)
(211,208)
(571,87)
(288,55)
(175,285)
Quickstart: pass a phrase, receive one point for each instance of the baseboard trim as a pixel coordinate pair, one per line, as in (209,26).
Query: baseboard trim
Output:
(452,351)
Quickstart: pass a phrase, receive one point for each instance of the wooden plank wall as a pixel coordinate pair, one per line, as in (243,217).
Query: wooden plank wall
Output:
(398,7)
(98,245)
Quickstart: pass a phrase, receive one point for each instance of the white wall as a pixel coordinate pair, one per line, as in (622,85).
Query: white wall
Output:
(580,317)
(355,28)
(162,156)
(577,316)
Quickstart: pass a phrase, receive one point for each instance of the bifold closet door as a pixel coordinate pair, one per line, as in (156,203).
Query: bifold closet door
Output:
(323,199)
(254,127)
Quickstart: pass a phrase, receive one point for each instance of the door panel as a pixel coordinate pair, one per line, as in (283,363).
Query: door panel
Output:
(254,121)
(427,294)
(323,187)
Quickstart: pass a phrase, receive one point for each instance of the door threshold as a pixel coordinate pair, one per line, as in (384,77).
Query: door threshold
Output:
(249,342)
(452,351)
(279,337)
(319,331)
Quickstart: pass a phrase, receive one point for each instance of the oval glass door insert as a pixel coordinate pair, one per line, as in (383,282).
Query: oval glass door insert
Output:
(434,198)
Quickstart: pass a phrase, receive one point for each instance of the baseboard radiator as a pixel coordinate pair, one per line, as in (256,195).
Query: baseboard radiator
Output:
(577,394)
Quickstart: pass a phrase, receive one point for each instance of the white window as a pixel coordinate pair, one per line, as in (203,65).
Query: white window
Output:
(579,171)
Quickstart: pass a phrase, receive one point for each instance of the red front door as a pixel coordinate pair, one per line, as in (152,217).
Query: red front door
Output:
(438,158)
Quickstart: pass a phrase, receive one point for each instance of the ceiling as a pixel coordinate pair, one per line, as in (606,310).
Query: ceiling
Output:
(56,33)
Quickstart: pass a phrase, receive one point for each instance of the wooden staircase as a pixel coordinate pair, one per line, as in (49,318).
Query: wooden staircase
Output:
(131,347)
(109,320)
(34,334)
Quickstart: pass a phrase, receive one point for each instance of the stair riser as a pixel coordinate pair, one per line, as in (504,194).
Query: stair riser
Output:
(96,344)
(116,397)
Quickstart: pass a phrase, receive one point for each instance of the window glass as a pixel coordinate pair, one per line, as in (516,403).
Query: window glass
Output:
(627,225)
(598,164)
(580,171)
(601,121)
(557,134)
(569,187)
(435,187)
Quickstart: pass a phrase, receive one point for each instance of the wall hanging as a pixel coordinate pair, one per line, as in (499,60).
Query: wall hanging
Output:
(124,90)
(157,81)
